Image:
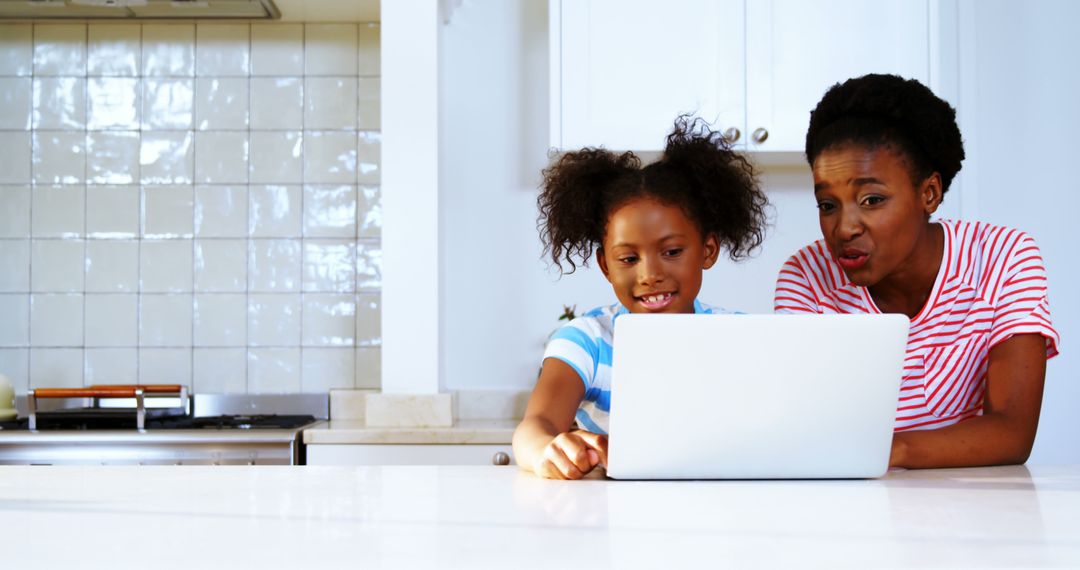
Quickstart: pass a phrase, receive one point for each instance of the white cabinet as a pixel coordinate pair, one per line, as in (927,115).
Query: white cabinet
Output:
(353,454)
(622,70)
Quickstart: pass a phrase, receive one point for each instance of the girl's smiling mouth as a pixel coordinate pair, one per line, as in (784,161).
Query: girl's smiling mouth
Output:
(656,301)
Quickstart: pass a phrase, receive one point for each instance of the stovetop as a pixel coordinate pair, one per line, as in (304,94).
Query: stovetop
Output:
(97,422)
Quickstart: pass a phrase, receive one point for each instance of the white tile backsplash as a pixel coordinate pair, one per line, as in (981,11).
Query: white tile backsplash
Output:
(179,203)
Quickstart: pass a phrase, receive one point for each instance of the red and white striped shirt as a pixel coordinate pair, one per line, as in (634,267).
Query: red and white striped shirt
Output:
(991,286)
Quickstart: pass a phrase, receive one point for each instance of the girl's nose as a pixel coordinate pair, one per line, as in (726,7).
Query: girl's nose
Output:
(650,270)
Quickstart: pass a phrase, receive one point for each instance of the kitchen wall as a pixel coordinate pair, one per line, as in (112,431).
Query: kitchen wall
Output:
(190,203)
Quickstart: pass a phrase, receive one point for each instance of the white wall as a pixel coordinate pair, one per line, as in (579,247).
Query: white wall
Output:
(1021,59)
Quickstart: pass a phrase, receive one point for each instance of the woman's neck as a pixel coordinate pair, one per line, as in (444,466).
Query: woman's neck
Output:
(907,289)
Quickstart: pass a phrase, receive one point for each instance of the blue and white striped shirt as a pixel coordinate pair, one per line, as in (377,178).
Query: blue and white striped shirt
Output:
(585,344)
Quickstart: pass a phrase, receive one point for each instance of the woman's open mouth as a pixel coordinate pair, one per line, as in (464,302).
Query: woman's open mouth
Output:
(852,259)
(656,301)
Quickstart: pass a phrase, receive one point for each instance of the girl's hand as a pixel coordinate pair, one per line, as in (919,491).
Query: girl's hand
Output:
(571,455)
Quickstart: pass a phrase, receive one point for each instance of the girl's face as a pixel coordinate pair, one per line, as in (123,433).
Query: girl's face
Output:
(873,217)
(653,255)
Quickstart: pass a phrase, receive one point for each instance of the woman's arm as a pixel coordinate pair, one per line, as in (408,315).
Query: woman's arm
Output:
(543,443)
(1005,432)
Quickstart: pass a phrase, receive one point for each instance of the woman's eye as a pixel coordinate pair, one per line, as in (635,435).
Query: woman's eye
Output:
(873,200)
(825,207)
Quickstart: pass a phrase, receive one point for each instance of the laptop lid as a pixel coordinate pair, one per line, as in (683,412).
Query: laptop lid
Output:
(754,396)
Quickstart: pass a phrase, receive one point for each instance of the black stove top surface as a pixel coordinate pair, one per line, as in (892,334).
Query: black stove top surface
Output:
(88,422)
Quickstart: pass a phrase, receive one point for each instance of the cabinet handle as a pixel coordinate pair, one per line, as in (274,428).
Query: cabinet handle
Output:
(732,135)
(760,135)
(500,458)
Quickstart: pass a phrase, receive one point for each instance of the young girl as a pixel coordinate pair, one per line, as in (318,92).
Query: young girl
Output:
(654,229)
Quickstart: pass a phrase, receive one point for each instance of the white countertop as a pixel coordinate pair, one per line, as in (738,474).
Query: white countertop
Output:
(490,432)
(500,517)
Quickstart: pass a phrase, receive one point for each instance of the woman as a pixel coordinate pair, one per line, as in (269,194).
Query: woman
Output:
(883,151)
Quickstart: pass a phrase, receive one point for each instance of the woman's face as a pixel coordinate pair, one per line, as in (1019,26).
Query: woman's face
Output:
(873,217)
(653,255)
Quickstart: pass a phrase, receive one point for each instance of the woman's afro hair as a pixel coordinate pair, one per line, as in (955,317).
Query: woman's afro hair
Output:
(889,111)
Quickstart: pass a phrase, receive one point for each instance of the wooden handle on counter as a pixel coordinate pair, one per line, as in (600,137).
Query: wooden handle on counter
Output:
(107,391)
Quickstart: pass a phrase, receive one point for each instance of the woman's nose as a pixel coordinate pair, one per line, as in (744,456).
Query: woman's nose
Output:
(851,224)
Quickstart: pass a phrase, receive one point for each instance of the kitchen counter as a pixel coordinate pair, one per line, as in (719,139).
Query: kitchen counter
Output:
(497,432)
(500,517)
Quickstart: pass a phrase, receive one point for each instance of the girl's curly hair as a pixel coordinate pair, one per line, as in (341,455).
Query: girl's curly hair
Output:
(889,111)
(715,186)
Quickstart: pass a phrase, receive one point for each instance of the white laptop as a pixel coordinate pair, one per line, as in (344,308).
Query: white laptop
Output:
(754,396)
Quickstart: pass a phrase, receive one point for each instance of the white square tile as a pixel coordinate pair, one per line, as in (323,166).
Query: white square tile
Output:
(112,157)
(369,319)
(369,40)
(113,103)
(274,319)
(273,371)
(168,50)
(330,49)
(15,211)
(275,211)
(329,157)
(220,265)
(167,158)
(329,266)
(165,266)
(56,368)
(222,49)
(327,368)
(60,49)
(15,160)
(15,326)
(330,211)
(165,366)
(56,320)
(220,319)
(277,49)
(368,266)
(15,362)
(368,368)
(57,266)
(329,320)
(112,266)
(59,103)
(221,211)
(168,103)
(58,211)
(112,212)
(168,212)
(369,112)
(277,157)
(330,103)
(15,103)
(274,265)
(59,157)
(113,50)
(277,103)
(220,371)
(165,320)
(111,366)
(368,212)
(221,157)
(112,320)
(14,266)
(221,103)
(368,152)
(16,49)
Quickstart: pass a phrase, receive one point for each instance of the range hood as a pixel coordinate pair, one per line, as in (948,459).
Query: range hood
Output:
(138,9)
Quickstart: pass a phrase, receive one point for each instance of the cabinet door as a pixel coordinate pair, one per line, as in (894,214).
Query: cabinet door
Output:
(622,70)
(796,49)
(345,454)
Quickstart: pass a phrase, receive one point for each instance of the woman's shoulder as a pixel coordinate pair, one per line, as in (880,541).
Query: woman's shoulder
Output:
(815,253)
(985,239)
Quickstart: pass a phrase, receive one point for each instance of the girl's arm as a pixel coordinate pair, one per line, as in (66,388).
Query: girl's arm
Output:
(1005,432)
(543,443)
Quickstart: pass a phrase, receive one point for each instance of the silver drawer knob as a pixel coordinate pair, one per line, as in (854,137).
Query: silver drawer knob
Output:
(500,458)
(732,135)
(760,135)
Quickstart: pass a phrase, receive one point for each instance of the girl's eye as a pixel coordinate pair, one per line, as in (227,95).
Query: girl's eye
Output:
(673,252)
(628,259)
